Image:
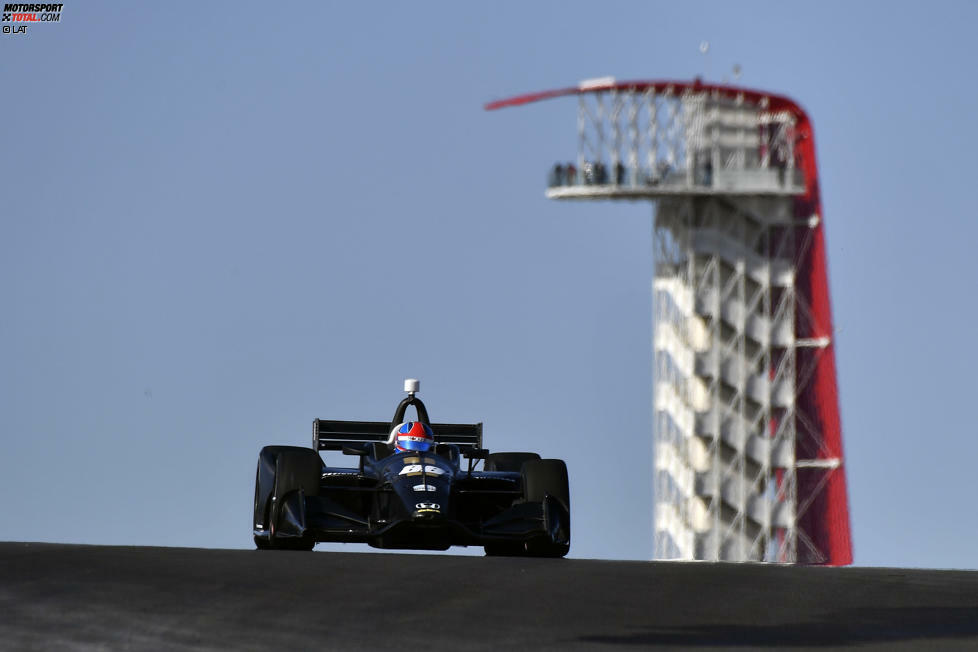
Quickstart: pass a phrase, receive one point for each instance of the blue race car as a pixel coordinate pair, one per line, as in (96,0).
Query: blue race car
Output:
(415,486)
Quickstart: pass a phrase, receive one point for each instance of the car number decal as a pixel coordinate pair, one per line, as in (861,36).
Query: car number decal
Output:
(415,469)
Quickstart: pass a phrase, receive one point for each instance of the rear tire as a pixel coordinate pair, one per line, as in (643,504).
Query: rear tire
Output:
(545,481)
(508,461)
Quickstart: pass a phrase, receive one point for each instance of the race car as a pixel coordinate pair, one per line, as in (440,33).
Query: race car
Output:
(415,486)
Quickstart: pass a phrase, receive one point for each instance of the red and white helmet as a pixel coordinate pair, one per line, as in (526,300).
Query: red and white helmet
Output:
(413,436)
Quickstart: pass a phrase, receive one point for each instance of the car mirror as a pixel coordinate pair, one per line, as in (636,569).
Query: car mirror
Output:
(359,451)
(476,453)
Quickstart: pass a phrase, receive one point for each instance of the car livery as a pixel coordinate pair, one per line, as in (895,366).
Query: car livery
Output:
(517,504)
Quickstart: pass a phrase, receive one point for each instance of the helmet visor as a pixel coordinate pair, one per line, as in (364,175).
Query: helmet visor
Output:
(409,443)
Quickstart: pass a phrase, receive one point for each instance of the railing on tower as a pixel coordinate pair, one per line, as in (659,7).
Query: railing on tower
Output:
(747,152)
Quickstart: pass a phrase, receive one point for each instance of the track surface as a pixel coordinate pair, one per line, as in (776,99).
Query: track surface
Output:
(69,597)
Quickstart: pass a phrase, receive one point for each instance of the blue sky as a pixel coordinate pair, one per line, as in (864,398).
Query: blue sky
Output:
(220,220)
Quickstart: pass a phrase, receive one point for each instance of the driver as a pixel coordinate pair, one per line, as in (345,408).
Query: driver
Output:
(412,436)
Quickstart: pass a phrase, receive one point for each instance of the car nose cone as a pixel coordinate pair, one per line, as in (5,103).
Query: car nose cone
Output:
(426,511)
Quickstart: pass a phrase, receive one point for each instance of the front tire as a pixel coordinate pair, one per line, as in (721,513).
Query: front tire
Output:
(545,481)
(283,471)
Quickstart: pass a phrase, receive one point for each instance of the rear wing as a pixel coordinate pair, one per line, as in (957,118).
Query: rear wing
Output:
(334,435)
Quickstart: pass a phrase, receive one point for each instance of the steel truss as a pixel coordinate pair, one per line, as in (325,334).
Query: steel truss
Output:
(747,444)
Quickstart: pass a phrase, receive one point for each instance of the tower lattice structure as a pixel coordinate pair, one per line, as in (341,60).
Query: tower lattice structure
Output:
(748,456)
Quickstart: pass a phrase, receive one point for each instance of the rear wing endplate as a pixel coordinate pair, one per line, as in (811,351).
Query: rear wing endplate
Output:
(334,435)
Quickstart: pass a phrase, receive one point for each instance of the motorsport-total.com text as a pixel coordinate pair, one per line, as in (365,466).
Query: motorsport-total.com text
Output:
(32,13)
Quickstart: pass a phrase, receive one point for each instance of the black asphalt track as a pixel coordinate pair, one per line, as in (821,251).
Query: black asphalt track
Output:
(70,597)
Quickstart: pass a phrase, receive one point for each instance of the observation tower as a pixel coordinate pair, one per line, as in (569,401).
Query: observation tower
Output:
(747,435)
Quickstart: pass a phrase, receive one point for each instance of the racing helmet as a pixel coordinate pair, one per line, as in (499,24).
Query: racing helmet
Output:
(413,436)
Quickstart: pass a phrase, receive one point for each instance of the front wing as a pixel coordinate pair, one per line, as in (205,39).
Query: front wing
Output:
(354,514)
